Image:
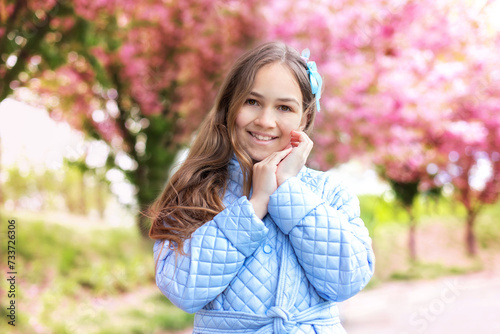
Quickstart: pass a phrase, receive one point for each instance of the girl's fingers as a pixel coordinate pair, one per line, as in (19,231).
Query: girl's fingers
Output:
(275,158)
(296,138)
(282,154)
(300,136)
(301,140)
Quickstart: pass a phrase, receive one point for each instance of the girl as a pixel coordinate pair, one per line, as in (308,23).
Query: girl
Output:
(247,236)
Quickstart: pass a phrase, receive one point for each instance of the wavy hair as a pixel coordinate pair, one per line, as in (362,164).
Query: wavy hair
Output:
(193,195)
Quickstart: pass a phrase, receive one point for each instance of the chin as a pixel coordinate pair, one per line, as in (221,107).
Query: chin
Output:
(256,159)
(260,156)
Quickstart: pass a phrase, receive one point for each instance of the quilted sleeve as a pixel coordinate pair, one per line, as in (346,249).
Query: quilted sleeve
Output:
(214,254)
(330,240)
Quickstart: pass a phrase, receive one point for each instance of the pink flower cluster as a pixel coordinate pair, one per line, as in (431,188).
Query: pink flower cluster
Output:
(409,83)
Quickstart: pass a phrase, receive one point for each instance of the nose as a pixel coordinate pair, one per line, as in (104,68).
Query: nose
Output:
(265,118)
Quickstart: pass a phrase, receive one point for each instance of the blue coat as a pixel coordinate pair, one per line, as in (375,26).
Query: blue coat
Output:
(282,274)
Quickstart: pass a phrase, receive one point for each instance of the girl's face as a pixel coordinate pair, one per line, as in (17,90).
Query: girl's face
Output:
(272,109)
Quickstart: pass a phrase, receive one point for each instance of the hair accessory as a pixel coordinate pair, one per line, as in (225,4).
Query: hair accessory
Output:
(314,77)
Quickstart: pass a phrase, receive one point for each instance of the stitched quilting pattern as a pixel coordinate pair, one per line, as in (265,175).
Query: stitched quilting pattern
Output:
(234,261)
(333,258)
(213,259)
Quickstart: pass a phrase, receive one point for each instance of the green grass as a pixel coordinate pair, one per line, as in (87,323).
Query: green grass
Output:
(388,225)
(429,270)
(104,261)
(73,279)
(161,315)
(379,214)
(377,211)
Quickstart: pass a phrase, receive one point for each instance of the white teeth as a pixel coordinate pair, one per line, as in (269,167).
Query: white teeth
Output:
(259,137)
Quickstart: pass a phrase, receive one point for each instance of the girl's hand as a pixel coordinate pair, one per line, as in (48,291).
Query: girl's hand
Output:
(292,164)
(264,181)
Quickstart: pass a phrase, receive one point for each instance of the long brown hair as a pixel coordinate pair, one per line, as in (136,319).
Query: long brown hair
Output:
(193,195)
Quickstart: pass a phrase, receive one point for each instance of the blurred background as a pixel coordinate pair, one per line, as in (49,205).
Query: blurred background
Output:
(100,99)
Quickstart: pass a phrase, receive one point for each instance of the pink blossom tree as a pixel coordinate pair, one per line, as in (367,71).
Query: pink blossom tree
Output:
(470,140)
(393,72)
(29,32)
(140,76)
(160,80)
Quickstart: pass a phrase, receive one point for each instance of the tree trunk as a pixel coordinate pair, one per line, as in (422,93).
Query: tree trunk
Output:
(152,171)
(412,247)
(406,192)
(470,237)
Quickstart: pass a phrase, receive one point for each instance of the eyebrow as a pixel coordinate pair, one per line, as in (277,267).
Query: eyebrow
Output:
(283,99)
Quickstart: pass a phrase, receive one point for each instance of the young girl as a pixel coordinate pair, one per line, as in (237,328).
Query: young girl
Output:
(247,236)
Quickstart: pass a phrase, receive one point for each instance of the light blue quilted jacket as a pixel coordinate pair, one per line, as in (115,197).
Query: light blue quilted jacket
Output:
(282,274)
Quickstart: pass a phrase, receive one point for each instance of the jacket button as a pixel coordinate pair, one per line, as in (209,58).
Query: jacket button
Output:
(267,249)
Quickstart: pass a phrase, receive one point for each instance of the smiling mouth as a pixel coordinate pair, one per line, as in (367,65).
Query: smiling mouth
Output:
(261,137)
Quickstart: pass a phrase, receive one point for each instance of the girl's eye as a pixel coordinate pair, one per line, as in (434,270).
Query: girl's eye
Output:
(285,108)
(252,102)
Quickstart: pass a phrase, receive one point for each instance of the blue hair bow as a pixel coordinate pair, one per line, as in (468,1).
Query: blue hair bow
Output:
(314,77)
